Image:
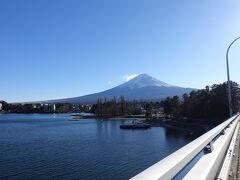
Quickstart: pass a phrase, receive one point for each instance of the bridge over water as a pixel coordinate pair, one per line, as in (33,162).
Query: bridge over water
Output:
(214,155)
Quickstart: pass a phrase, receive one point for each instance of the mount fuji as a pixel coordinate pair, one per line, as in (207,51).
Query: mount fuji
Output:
(142,87)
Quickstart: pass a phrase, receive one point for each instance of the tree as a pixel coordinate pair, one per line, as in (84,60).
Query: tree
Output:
(173,106)
(208,103)
(123,105)
(148,114)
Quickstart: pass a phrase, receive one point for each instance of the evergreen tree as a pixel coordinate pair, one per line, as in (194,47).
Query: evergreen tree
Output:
(148,114)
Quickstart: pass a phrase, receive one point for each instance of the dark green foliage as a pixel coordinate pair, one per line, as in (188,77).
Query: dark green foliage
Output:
(210,102)
(4,105)
(173,106)
(149,112)
(122,105)
(29,108)
(63,108)
(114,107)
(45,108)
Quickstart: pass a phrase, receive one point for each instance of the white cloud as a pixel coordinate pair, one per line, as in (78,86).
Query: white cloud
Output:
(109,82)
(63,97)
(128,77)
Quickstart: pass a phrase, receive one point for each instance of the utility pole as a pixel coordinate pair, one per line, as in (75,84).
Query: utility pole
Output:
(228,77)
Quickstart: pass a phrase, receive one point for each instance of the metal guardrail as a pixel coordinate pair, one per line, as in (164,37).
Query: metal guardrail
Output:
(169,167)
(209,164)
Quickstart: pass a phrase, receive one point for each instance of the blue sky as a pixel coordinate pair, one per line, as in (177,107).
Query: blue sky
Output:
(65,48)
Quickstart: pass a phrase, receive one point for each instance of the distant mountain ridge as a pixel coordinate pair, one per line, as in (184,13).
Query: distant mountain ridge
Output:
(142,87)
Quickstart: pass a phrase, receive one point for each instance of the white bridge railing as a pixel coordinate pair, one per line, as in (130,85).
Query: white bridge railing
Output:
(207,167)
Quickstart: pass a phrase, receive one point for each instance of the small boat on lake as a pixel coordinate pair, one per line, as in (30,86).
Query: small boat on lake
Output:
(135,125)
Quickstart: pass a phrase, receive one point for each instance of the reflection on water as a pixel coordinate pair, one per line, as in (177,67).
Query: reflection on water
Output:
(37,146)
(176,134)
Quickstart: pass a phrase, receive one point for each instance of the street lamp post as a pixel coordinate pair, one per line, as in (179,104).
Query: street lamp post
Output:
(228,76)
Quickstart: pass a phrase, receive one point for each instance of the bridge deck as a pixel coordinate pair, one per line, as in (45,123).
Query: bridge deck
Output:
(235,165)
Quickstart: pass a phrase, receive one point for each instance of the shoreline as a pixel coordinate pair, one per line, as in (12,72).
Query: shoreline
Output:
(199,127)
(93,116)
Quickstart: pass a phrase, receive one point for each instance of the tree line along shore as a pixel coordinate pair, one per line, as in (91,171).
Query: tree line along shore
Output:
(200,105)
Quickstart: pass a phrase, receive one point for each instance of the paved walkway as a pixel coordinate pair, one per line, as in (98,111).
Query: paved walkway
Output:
(235,165)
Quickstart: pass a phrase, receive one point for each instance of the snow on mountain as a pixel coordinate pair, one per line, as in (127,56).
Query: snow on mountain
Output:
(144,80)
(142,87)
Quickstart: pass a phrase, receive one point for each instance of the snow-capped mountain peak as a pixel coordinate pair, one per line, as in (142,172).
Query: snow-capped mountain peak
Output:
(144,80)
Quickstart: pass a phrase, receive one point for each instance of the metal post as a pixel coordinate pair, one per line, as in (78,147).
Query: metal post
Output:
(229,84)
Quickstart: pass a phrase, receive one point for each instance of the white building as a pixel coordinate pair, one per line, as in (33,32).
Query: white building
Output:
(1,106)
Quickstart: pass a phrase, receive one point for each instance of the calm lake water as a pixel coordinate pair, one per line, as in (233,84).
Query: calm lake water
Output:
(37,146)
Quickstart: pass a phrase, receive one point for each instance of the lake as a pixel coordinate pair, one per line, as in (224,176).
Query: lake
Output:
(53,146)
